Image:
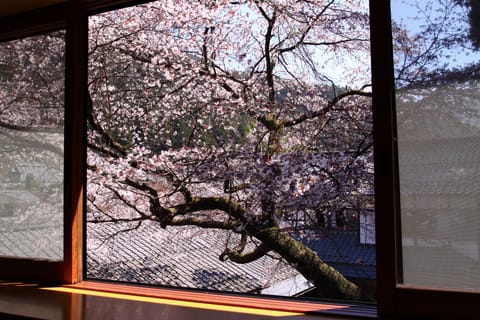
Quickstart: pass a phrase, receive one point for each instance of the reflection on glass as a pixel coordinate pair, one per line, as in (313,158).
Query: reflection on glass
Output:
(438,117)
(31,147)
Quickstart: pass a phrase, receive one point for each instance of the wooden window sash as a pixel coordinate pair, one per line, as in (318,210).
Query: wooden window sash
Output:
(34,23)
(395,299)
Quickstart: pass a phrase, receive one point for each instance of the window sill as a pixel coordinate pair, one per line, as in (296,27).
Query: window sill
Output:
(30,301)
(231,300)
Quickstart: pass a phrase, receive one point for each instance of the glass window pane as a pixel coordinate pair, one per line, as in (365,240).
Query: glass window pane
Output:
(31,146)
(438,117)
(230,147)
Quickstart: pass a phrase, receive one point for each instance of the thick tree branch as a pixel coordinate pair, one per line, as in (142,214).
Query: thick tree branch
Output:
(233,208)
(162,214)
(242,258)
(268,56)
(203,223)
(109,140)
(311,265)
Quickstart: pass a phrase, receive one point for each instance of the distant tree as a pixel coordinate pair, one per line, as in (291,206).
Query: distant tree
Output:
(474,19)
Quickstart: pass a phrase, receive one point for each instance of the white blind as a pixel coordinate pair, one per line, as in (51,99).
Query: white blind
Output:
(438,124)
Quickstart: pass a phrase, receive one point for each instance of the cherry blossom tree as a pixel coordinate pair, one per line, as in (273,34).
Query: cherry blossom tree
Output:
(226,115)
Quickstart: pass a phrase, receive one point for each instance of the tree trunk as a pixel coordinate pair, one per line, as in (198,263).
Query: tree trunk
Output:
(308,263)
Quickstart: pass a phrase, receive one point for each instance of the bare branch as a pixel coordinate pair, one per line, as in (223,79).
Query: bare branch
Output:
(327,108)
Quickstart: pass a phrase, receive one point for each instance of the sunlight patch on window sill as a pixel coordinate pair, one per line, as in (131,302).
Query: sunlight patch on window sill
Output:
(177,303)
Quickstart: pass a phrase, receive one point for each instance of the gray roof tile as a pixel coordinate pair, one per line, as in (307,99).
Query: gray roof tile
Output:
(177,256)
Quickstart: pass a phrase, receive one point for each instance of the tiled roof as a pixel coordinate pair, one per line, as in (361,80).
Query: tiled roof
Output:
(446,166)
(179,257)
(426,265)
(438,151)
(343,251)
(29,241)
(188,257)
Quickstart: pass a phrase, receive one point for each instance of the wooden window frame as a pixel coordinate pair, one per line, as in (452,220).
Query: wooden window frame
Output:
(31,24)
(393,299)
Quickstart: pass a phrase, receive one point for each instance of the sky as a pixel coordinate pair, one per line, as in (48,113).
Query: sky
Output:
(413,13)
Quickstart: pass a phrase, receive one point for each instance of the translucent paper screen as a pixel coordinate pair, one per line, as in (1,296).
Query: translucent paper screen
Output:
(31,147)
(438,118)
